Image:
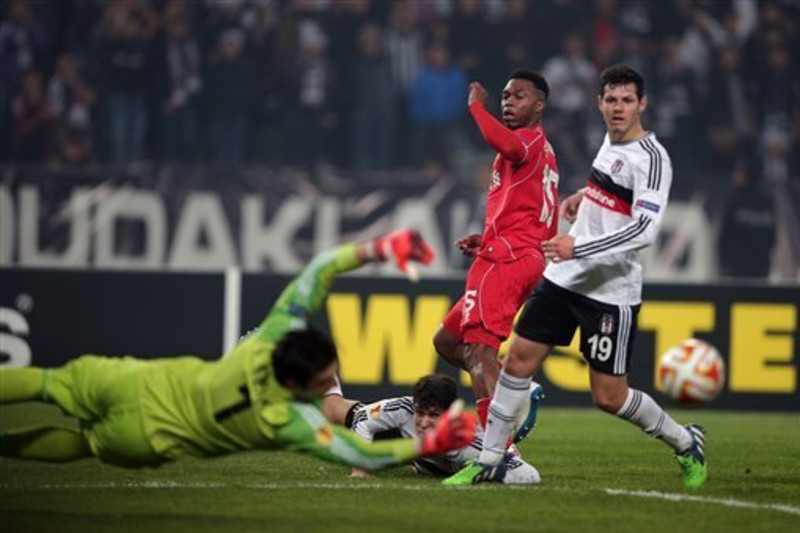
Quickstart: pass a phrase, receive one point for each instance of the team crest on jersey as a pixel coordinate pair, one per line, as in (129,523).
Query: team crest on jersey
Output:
(606,324)
(324,435)
(375,411)
(616,166)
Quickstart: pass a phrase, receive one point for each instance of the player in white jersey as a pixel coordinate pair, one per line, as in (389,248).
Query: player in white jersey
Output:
(594,282)
(409,416)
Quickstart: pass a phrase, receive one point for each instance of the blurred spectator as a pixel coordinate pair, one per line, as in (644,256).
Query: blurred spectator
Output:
(405,45)
(572,98)
(778,108)
(22,43)
(634,51)
(32,120)
(313,114)
(726,113)
(605,32)
(344,22)
(436,103)
(747,234)
(227,15)
(180,83)
(516,41)
(297,71)
(72,101)
(373,97)
(228,82)
(673,105)
(470,51)
(125,32)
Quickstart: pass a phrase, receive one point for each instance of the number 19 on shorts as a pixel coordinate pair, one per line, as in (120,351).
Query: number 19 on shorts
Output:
(600,347)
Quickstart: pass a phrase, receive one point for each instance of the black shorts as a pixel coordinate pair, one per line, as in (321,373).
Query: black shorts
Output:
(552,314)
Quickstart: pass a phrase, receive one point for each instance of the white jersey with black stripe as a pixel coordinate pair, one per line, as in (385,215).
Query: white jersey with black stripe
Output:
(621,212)
(398,414)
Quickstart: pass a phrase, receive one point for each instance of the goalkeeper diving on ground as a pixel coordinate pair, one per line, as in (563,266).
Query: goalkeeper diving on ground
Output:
(265,394)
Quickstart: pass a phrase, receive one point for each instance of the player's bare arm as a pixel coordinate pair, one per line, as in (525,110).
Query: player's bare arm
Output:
(569,207)
(559,248)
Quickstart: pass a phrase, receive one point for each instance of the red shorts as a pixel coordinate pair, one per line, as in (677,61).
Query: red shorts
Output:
(493,294)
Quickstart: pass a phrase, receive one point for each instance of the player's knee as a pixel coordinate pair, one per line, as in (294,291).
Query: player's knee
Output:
(524,357)
(445,344)
(607,400)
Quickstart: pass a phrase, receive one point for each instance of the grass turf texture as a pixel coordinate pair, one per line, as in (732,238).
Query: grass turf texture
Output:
(581,454)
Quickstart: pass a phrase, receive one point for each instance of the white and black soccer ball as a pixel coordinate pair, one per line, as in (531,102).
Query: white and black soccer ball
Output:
(692,372)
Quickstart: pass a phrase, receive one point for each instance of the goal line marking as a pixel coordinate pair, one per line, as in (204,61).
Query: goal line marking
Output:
(728,502)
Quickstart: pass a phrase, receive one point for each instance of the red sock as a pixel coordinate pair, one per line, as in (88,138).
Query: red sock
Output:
(482,404)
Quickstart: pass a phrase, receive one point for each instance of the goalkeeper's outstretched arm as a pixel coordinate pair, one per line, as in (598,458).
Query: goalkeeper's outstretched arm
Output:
(306,293)
(310,432)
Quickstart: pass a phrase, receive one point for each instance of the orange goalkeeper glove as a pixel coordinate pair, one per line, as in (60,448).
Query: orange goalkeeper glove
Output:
(404,246)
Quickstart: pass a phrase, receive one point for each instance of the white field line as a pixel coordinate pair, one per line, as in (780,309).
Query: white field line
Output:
(728,502)
(162,485)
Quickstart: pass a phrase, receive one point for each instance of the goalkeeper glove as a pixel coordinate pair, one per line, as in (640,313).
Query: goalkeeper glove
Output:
(404,246)
(453,431)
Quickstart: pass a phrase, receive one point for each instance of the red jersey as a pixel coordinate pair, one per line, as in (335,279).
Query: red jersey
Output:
(522,203)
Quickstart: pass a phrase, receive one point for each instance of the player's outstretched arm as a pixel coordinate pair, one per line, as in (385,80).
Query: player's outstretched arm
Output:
(310,432)
(498,136)
(306,293)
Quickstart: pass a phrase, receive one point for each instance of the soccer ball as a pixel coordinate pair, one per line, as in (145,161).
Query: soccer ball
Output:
(692,372)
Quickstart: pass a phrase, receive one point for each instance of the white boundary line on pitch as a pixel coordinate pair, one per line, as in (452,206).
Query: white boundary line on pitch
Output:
(728,502)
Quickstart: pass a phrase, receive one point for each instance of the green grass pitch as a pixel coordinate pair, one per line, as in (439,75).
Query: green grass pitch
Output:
(599,474)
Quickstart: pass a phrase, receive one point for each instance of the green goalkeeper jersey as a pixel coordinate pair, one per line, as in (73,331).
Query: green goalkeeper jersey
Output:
(197,408)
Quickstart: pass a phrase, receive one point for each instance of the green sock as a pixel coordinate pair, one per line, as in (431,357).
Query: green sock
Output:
(44,443)
(21,384)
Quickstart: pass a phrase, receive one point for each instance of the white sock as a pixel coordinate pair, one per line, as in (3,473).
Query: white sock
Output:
(509,394)
(641,410)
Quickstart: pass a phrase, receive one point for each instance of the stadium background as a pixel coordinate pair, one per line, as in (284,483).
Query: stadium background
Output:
(152,152)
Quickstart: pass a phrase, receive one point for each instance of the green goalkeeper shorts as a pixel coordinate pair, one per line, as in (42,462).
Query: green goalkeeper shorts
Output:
(103,392)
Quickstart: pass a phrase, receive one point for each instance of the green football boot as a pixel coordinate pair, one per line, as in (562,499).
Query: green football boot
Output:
(693,461)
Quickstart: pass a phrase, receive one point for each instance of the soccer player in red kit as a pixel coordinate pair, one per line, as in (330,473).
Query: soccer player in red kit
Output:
(521,212)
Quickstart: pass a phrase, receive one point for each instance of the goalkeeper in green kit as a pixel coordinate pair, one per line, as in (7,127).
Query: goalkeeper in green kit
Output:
(263,395)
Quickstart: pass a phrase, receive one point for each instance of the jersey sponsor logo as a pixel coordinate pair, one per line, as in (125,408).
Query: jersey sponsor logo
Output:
(644,204)
(607,324)
(616,166)
(607,200)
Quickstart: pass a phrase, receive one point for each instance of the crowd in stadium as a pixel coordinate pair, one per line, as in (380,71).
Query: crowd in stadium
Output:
(371,85)
(374,85)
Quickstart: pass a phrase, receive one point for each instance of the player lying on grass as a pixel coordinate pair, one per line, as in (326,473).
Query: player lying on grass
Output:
(410,416)
(263,395)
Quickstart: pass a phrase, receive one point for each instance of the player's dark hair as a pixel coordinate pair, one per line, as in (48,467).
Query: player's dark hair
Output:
(300,355)
(621,75)
(535,78)
(436,392)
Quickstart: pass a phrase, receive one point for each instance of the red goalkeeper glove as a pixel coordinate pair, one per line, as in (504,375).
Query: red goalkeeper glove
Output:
(404,246)
(453,431)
